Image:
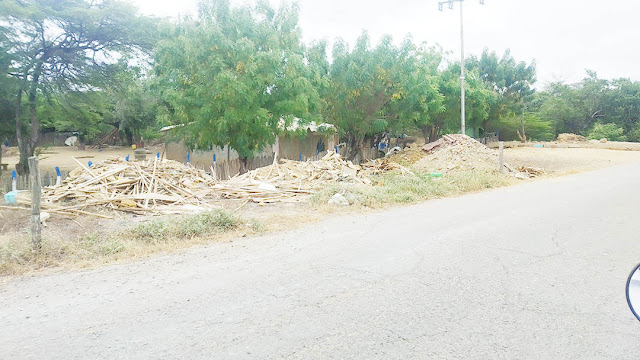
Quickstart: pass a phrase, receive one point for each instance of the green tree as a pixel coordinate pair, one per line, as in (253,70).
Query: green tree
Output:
(478,99)
(132,106)
(512,82)
(236,76)
(420,102)
(62,44)
(374,90)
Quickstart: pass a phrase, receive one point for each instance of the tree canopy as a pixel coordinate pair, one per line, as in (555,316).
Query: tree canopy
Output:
(64,46)
(239,76)
(236,76)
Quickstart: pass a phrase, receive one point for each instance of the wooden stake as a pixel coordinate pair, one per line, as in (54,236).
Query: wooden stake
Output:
(501,147)
(36,230)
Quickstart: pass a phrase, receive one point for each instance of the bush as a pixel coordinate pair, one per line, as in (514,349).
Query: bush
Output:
(186,226)
(609,131)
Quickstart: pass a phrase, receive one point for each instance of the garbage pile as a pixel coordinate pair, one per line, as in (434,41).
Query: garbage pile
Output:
(158,185)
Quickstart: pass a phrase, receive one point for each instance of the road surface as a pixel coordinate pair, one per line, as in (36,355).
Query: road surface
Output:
(534,271)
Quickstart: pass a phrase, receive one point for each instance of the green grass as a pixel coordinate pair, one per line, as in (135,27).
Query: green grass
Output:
(208,223)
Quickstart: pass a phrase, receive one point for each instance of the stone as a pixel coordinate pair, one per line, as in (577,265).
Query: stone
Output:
(339,200)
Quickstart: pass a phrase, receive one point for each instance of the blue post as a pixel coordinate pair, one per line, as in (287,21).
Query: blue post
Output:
(300,158)
(58,176)
(14,181)
(90,163)
(127,158)
(188,158)
(214,158)
(335,148)
(158,155)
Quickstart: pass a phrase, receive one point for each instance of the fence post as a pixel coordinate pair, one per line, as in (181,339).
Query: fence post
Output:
(14,181)
(58,177)
(36,231)
(501,150)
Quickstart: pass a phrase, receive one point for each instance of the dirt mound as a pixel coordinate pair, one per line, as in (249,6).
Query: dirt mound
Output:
(409,155)
(571,138)
(457,152)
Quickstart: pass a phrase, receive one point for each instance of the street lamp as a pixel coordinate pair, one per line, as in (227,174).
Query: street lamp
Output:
(462,102)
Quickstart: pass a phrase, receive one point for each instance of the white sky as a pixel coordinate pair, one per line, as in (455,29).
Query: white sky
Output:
(565,37)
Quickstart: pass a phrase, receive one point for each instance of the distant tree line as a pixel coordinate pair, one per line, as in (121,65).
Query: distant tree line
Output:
(239,76)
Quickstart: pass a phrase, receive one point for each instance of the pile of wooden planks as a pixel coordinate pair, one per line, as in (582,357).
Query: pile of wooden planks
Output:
(289,181)
(155,185)
(384,165)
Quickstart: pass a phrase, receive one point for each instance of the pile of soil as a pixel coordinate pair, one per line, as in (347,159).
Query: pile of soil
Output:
(409,155)
(465,154)
(571,138)
(457,153)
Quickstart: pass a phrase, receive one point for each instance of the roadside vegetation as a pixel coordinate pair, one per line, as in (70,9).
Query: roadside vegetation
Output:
(393,189)
(163,234)
(101,246)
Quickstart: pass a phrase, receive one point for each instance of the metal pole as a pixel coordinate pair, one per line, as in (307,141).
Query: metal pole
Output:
(462,94)
(462,76)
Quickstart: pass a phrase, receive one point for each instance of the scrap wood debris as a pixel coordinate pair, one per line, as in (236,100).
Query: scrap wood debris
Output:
(287,180)
(384,165)
(149,186)
(531,171)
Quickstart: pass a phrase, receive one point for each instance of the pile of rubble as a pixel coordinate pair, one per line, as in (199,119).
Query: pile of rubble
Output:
(158,185)
(457,153)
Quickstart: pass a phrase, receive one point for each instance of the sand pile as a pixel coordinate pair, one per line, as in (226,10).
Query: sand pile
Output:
(571,138)
(457,153)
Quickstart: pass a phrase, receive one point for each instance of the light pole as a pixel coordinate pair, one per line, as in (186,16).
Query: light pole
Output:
(462,95)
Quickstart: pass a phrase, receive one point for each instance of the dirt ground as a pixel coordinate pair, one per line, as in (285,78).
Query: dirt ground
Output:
(62,156)
(562,161)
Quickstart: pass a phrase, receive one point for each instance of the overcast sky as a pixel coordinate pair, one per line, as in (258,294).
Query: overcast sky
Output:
(564,37)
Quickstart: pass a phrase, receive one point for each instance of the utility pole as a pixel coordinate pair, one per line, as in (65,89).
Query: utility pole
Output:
(462,77)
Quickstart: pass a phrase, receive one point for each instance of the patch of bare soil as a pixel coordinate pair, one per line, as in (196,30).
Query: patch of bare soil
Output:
(62,156)
(561,161)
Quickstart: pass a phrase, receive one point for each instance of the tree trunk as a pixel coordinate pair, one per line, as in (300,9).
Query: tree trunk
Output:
(129,135)
(23,144)
(354,147)
(244,165)
(26,144)
(430,133)
(426,132)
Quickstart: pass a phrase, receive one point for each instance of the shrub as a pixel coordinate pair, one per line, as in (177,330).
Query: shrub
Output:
(609,131)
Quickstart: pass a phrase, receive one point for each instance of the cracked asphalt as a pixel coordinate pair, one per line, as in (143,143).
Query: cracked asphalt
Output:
(534,271)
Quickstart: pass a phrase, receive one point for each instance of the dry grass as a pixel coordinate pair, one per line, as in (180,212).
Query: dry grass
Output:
(17,255)
(396,189)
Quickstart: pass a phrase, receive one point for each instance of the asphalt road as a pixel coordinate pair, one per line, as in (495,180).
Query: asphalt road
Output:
(535,271)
